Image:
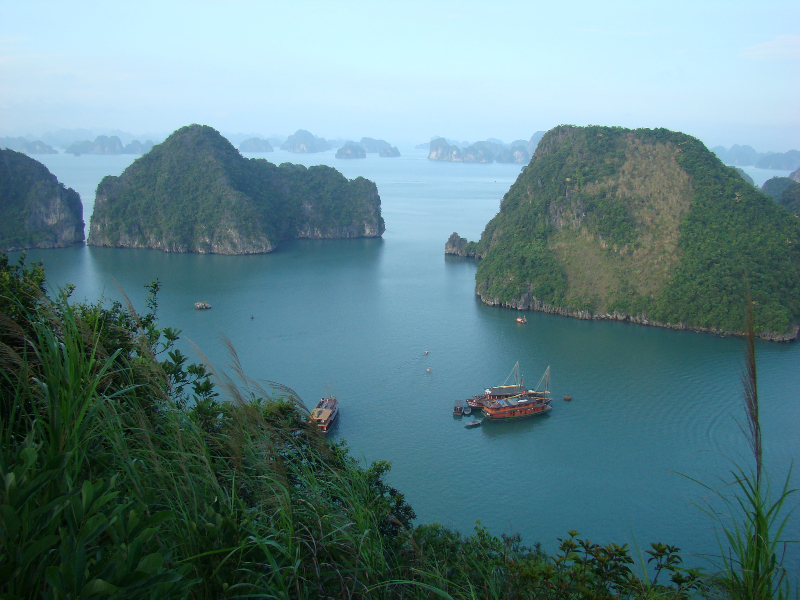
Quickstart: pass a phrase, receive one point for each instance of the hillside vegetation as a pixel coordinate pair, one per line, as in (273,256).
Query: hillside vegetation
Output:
(196,193)
(645,225)
(36,210)
(130,473)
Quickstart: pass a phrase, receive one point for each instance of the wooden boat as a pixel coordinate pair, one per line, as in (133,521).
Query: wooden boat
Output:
(467,410)
(325,413)
(504,405)
(474,423)
(501,391)
(458,410)
(522,319)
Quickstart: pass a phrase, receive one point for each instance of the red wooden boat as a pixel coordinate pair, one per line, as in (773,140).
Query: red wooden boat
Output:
(514,402)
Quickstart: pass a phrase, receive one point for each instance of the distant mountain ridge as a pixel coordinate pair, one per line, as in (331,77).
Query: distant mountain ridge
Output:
(196,193)
(640,225)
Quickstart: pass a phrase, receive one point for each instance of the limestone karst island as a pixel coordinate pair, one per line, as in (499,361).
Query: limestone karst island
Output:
(640,225)
(36,211)
(196,193)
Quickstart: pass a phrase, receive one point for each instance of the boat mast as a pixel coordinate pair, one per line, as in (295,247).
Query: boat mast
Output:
(546,380)
(514,373)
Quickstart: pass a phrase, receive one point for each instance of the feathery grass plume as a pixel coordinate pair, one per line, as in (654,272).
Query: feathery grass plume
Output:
(750,518)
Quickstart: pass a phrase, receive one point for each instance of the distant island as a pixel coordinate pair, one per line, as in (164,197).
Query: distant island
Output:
(20,144)
(390,152)
(745,156)
(255,145)
(196,193)
(366,146)
(304,141)
(646,226)
(491,150)
(108,145)
(379,147)
(36,211)
(481,152)
(351,150)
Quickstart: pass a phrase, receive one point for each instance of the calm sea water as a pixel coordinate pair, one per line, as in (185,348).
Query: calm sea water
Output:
(650,406)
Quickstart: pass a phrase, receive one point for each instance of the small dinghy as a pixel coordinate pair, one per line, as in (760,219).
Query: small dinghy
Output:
(474,423)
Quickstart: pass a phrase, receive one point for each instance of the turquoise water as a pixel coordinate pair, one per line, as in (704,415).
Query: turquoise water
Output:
(648,404)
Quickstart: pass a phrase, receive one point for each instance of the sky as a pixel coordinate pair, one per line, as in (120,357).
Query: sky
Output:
(725,72)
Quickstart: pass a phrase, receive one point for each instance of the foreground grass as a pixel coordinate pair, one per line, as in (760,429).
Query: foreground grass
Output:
(127,472)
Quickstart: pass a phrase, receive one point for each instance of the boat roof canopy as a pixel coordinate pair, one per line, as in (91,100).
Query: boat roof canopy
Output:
(321,413)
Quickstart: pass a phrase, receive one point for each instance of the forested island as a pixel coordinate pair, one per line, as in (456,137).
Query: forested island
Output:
(640,225)
(104,144)
(196,193)
(491,150)
(304,142)
(36,211)
(255,145)
(747,156)
(20,144)
(351,150)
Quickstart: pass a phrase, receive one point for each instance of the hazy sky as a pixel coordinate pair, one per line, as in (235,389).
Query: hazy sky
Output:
(727,72)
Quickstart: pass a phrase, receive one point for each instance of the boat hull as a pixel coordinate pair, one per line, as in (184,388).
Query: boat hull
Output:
(517,415)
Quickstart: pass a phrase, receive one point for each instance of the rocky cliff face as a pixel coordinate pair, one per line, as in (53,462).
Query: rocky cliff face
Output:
(196,193)
(36,211)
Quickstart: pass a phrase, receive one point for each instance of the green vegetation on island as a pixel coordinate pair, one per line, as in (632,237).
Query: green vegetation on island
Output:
(790,198)
(744,175)
(646,225)
(36,211)
(196,193)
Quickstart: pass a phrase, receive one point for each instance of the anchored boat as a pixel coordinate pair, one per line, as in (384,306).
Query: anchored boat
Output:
(325,413)
(527,403)
(510,402)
